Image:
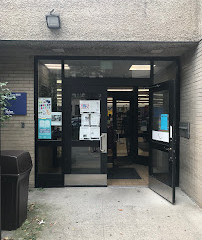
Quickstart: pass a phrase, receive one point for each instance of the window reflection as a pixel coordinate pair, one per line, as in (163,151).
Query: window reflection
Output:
(161,167)
(85,160)
(107,68)
(49,159)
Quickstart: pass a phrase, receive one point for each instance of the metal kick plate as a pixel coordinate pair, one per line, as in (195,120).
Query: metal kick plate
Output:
(162,189)
(85,180)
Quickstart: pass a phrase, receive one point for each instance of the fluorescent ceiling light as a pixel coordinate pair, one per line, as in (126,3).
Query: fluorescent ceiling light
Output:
(140,68)
(144,99)
(143,95)
(143,90)
(120,101)
(120,90)
(59,81)
(56,66)
(59,90)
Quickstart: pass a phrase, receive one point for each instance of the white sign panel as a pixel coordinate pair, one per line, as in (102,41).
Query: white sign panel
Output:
(95,133)
(88,106)
(95,119)
(85,119)
(160,136)
(84,133)
(44,108)
(56,119)
(95,106)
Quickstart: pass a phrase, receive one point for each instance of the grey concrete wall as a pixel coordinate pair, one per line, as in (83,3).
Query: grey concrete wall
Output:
(105,20)
(191,111)
(18,71)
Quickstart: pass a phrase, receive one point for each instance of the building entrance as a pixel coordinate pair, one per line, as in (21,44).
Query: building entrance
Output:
(114,114)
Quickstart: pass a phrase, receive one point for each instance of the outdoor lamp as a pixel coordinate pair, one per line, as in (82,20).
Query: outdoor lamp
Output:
(53,20)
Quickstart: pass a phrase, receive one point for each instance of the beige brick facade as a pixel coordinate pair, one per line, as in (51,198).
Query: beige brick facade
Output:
(191,111)
(18,71)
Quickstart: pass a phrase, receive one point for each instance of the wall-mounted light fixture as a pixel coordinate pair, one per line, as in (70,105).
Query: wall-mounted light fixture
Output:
(53,20)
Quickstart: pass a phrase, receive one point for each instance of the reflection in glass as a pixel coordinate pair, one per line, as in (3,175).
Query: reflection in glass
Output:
(50,86)
(107,68)
(85,160)
(164,71)
(49,159)
(161,167)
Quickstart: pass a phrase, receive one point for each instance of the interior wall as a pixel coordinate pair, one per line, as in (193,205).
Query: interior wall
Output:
(191,111)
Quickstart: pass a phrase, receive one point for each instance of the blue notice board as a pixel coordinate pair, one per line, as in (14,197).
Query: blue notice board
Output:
(17,106)
(44,129)
(164,122)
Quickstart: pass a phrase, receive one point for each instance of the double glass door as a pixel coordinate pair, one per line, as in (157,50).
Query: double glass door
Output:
(85,150)
(86,124)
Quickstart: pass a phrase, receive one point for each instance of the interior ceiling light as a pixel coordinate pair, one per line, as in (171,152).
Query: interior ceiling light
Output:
(59,90)
(143,95)
(143,90)
(59,81)
(143,99)
(53,20)
(120,90)
(140,68)
(56,66)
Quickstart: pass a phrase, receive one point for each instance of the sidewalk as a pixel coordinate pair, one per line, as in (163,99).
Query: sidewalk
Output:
(114,213)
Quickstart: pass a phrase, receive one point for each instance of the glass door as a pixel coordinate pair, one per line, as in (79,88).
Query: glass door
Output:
(162,144)
(85,136)
(122,129)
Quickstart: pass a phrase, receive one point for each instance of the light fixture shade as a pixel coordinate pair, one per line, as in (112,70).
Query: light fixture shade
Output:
(53,21)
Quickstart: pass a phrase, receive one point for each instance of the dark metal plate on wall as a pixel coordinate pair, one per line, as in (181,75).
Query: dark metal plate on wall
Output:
(184,128)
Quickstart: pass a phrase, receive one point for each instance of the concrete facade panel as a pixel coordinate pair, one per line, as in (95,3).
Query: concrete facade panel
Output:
(106,20)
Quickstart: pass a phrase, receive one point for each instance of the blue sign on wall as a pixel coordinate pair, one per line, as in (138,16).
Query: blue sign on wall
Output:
(44,129)
(17,106)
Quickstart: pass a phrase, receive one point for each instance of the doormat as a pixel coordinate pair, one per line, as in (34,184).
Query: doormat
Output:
(122,173)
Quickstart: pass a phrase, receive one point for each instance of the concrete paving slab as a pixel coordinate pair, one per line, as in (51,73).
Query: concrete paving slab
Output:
(128,213)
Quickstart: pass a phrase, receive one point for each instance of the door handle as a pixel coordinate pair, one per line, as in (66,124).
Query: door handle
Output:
(103,143)
(117,136)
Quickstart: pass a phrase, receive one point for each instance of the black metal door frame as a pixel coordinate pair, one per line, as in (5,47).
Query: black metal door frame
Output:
(57,180)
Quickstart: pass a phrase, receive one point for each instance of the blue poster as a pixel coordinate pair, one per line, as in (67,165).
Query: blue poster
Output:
(44,129)
(164,122)
(18,105)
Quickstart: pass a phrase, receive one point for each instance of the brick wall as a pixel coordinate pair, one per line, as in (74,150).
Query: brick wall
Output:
(18,71)
(191,111)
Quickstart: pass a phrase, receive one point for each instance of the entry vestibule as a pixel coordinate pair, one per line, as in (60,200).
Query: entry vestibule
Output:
(74,146)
